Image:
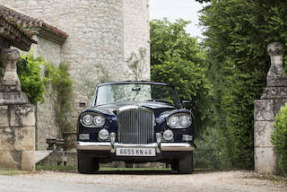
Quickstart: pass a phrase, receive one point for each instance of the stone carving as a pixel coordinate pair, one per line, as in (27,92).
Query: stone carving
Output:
(273,98)
(276,76)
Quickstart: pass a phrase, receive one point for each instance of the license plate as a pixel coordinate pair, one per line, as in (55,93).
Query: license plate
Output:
(141,152)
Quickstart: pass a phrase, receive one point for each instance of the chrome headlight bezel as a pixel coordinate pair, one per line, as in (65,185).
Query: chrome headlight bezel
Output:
(93,120)
(179,121)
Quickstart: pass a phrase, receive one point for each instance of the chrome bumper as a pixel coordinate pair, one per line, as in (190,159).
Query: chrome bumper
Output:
(106,146)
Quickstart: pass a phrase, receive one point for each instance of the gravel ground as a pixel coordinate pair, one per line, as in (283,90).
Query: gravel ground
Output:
(47,181)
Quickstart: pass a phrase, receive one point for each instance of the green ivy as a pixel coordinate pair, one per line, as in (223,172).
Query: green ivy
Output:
(279,139)
(61,83)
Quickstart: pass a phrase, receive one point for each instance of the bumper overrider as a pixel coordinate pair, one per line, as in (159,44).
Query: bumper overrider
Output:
(112,146)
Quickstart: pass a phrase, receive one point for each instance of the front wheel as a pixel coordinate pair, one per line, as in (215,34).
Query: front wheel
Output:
(185,165)
(86,164)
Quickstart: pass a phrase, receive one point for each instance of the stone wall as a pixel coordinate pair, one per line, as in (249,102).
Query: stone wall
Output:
(102,34)
(17,133)
(136,31)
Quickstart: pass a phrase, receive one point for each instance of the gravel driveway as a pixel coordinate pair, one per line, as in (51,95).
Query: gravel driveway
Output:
(48,181)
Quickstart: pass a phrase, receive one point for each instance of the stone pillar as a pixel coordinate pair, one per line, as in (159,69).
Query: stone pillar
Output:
(17,118)
(274,97)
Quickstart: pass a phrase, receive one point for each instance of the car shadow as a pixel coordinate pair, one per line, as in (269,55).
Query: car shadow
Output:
(134,172)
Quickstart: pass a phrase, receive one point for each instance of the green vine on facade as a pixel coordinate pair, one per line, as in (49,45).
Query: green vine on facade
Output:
(136,63)
(61,84)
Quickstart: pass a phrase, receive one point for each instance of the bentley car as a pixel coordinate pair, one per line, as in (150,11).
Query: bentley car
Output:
(135,122)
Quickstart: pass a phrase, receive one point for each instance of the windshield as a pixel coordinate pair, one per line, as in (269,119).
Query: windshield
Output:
(136,92)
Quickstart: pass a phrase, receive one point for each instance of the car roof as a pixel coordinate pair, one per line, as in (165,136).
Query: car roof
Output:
(134,82)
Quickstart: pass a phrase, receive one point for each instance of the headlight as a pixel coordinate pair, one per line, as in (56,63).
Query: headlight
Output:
(180,120)
(99,120)
(87,119)
(93,120)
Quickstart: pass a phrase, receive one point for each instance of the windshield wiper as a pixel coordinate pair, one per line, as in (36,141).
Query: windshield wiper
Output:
(160,101)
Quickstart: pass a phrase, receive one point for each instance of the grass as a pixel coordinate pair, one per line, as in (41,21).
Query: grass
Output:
(55,168)
(10,172)
(275,178)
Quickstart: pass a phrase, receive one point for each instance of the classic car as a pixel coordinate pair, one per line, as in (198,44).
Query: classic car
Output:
(135,122)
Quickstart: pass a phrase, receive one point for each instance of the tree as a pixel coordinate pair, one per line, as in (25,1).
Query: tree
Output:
(237,33)
(177,59)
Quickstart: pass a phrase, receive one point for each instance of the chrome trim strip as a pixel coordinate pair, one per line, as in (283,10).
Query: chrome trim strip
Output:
(101,146)
(176,147)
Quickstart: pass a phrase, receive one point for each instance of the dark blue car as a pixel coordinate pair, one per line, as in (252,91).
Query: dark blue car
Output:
(135,122)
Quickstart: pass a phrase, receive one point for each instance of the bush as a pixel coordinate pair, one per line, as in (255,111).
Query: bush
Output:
(279,139)
(29,72)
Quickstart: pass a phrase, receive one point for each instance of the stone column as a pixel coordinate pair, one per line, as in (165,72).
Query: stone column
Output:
(273,98)
(17,118)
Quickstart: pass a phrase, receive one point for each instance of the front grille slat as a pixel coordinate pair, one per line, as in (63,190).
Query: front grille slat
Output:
(135,125)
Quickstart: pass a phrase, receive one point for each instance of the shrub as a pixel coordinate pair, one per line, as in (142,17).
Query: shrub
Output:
(29,72)
(279,139)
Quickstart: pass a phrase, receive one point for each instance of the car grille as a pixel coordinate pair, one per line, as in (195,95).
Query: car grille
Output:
(136,125)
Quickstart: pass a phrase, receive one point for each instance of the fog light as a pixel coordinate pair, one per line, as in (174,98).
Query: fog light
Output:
(84,137)
(103,134)
(168,135)
(187,137)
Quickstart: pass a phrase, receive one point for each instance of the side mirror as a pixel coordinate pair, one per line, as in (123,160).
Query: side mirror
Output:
(186,104)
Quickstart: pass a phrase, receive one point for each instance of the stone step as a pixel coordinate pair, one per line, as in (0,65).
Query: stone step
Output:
(40,155)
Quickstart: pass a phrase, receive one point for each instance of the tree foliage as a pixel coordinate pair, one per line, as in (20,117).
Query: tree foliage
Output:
(177,59)
(237,33)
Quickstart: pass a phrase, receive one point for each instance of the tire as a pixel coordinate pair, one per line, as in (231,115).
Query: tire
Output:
(86,164)
(174,164)
(185,165)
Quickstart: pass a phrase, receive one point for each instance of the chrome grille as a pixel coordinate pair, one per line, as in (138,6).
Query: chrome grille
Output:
(136,125)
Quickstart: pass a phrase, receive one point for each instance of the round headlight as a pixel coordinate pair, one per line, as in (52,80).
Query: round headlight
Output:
(168,135)
(184,120)
(99,120)
(172,121)
(103,134)
(87,119)
(179,120)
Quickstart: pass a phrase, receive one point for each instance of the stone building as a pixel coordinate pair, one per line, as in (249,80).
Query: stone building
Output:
(96,37)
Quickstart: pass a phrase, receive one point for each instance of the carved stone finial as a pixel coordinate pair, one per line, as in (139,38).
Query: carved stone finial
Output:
(10,55)
(10,80)
(275,48)
(276,76)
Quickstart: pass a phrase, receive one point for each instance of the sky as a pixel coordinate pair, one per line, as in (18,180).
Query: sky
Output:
(175,9)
